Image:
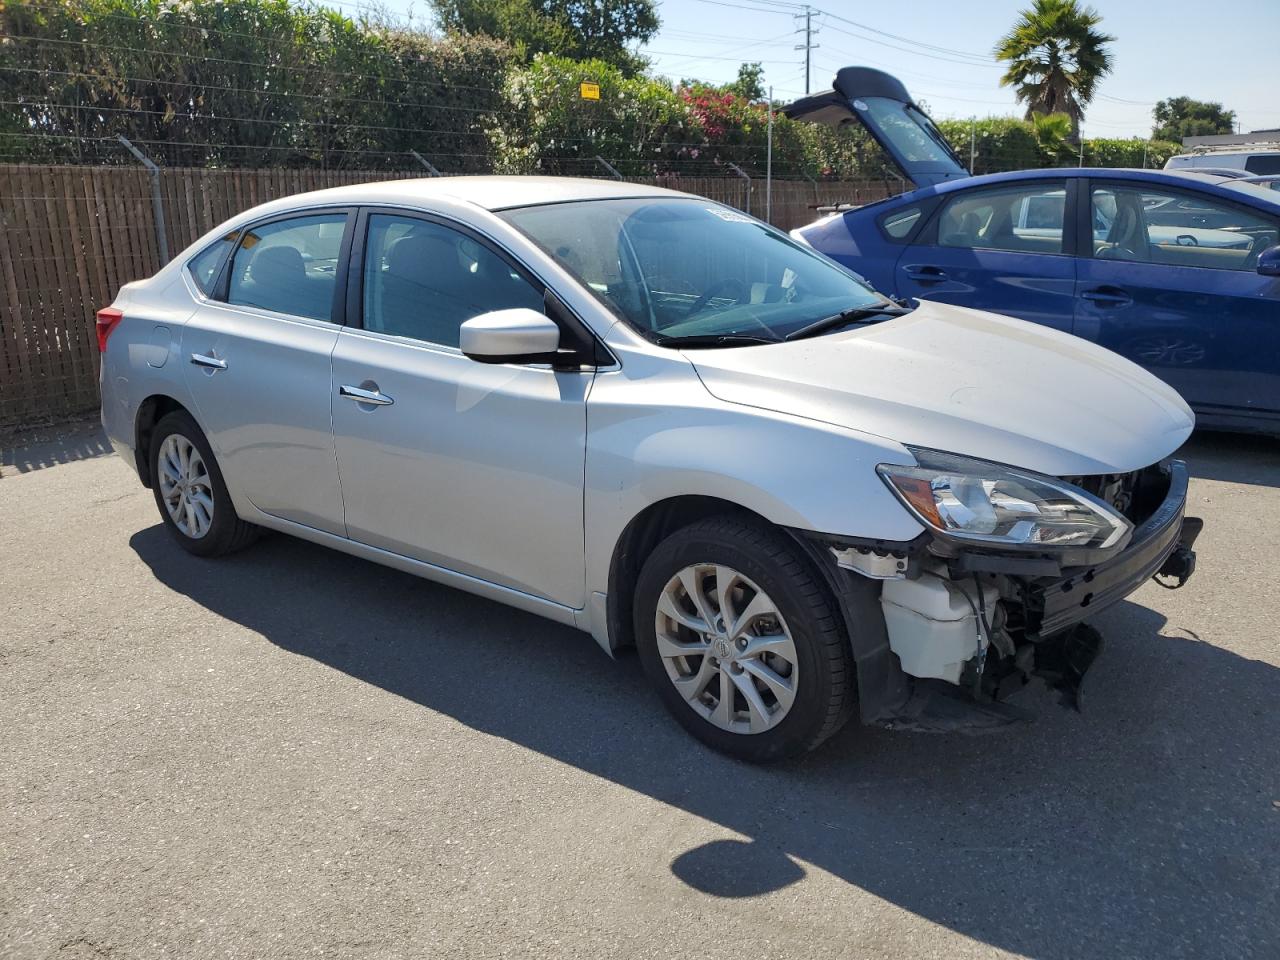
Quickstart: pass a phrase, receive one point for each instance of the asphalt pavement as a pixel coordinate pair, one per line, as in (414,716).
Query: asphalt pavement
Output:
(294,753)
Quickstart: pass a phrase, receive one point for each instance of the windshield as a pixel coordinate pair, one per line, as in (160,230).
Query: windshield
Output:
(685,268)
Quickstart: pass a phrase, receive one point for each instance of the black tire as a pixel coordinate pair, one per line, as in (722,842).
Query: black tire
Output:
(825,694)
(227,532)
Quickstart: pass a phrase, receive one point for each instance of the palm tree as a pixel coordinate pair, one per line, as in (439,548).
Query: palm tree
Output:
(1056,57)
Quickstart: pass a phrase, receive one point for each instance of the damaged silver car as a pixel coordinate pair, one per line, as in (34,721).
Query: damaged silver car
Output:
(648,416)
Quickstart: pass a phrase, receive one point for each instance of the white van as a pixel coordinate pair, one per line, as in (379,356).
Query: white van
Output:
(1255,162)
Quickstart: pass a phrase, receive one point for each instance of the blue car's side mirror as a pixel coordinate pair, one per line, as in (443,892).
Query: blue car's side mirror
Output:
(1269,262)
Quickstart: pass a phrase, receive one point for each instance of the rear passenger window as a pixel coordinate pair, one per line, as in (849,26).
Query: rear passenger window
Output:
(204,265)
(424,280)
(1022,220)
(289,266)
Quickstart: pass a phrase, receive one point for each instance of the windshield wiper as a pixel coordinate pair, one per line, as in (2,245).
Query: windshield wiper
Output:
(844,317)
(710,340)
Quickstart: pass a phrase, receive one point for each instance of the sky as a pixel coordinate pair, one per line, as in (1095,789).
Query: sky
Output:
(941,50)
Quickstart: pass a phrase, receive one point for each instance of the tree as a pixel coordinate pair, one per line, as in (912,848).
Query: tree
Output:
(576,29)
(1056,56)
(750,82)
(1180,117)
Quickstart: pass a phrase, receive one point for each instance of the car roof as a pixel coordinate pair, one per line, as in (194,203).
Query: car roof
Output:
(487,192)
(1186,177)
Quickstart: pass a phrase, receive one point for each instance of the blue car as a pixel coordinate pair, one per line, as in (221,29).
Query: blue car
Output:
(1178,271)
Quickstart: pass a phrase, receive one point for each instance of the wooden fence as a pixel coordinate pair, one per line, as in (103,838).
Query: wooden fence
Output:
(71,236)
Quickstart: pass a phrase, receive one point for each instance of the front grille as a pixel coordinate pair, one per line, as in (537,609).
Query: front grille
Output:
(1135,494)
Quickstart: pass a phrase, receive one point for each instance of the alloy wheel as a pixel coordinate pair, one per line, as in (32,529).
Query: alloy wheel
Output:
(185,486)
(726,648)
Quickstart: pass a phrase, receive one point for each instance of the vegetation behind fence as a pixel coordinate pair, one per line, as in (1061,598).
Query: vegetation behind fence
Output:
(71,236)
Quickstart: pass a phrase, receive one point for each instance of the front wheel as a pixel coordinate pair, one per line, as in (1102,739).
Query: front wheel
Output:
(742,641)
(190,492)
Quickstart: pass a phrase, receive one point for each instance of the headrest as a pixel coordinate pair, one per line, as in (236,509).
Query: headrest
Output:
(284,263)
(418,253)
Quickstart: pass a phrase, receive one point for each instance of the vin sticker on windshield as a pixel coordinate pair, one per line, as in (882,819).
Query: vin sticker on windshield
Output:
(732,216)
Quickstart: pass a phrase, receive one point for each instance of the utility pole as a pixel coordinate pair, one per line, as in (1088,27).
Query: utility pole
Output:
(808,46)
(768,170)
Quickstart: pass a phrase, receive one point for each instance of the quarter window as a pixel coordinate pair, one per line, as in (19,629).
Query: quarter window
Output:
(1155,226)
(1022,220)
(899,223)
(289,266)
(204,265)
(424,280)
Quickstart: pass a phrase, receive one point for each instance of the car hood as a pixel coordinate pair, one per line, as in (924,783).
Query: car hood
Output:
(965,381)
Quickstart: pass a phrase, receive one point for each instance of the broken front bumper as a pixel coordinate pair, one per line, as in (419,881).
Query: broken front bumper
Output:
(1037,628)
(1161,545)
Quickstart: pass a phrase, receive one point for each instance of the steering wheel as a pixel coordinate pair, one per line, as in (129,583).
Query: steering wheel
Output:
(1116,253)
(726,283)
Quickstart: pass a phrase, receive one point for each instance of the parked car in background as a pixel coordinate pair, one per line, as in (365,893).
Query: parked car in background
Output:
(654,418)
(1177,271)
(1250,161)
(1271,182)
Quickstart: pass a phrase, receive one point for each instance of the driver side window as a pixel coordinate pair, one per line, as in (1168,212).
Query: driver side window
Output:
(424,280)
(1182,230)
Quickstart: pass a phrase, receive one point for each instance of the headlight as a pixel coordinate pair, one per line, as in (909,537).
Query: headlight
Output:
(973,500)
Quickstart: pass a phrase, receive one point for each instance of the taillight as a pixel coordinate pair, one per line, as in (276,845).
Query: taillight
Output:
(108,319)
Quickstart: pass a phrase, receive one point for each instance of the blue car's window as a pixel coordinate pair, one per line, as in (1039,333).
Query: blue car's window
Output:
(692,268)
(1186,230)
(899,223)
(1024,219)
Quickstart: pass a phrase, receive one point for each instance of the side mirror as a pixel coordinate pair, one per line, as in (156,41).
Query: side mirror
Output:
(518,335)
(1269,262)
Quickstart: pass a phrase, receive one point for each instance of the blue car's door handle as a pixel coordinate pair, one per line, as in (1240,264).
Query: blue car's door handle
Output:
(926,274)
(1107,297)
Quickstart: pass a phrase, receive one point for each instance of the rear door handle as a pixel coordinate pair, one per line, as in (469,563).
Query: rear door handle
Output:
(1107,297)
(361,395)
(926,274)
(213,363)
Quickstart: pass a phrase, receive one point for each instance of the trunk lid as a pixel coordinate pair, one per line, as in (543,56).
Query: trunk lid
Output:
(882,105)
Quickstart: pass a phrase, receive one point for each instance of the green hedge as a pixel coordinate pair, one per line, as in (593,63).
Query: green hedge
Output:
(253,83)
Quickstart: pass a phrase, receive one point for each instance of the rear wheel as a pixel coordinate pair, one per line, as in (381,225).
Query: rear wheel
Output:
(190,492)
(741,640)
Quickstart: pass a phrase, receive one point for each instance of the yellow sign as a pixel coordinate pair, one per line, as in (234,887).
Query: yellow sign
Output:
(590,91)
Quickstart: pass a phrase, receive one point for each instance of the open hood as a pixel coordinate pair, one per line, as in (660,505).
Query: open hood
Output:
(967,382)
(881,104)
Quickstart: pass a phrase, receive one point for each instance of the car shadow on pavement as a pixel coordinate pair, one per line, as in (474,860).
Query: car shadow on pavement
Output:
(1233,458)
(1146,826)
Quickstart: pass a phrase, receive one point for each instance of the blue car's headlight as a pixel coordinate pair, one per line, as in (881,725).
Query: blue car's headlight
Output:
(973,500)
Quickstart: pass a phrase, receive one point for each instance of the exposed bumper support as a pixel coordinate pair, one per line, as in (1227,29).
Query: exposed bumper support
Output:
(1039,632)
(1055,605)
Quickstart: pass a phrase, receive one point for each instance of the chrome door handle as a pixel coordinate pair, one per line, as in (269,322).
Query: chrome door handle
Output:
(360,395)
(201,360)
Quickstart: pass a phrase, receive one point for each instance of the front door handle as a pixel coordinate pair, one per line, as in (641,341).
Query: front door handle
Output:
(1107,297)
(926,274)
(361,395)
(203,360)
